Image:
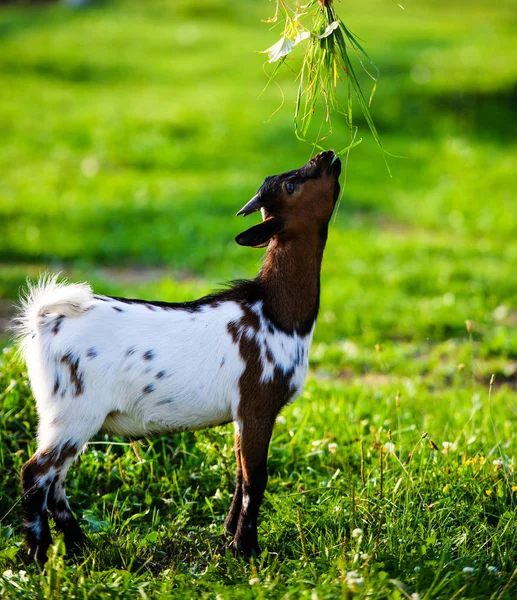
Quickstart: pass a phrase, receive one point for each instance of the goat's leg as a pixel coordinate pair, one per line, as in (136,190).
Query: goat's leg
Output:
(35,485)
(232,519)
(60,442)
(59,510)
(255,437)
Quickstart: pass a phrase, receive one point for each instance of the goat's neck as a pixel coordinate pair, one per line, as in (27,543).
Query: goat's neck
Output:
(290,277)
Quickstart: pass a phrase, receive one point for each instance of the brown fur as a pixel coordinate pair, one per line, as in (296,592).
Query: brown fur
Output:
(76,376)
(290,280)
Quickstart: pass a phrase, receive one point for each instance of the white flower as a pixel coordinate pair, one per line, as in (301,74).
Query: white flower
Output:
(8,574)
(365,556)
(22,576)
(468,570)
(492,569)
(354,581)
(357,533)
(448,447)
(498,464)
(415,596)
(254,581)
(416,569)
(389,447)
(332,447)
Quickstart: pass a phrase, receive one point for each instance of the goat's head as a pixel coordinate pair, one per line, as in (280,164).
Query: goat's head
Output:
(295,203)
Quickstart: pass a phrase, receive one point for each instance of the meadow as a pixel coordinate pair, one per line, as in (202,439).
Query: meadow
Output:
(131,132)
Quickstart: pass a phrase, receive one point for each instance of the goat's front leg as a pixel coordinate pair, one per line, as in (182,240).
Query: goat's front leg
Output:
(255,436)
(232,519)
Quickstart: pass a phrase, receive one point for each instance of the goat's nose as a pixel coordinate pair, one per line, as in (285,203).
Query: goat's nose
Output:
(323,155)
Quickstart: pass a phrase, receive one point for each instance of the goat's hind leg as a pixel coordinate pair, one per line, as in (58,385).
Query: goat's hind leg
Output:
(60,511)
(37,475)
(43,481)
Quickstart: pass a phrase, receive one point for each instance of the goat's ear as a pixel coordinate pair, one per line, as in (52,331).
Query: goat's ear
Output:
(259,235)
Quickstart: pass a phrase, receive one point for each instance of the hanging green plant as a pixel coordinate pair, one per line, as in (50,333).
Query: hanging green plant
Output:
(327,81)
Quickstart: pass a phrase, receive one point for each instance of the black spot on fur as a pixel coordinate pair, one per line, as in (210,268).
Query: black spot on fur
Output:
(269,354)
(76,376)
(148,388)
(91,353)
(161,374)
(149,355)
(102,298)
(57,324)
(56,384)
(222,363)
(162,402)
(117,308)
(130,351)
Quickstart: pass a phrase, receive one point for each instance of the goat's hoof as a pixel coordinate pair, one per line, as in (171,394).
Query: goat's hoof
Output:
(76,543)
(36,555)
(230,528)
(247,548)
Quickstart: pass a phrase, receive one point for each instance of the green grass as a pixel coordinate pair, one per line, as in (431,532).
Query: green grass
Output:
(131,134)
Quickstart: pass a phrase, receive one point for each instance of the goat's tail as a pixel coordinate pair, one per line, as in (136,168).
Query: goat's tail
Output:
(47,298)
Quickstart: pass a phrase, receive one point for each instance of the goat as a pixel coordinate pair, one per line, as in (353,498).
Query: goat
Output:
(141,368)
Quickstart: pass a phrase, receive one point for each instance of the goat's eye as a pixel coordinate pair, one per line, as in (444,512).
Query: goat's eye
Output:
(289,187)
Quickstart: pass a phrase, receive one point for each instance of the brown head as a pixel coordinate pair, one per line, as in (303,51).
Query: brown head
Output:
(294,204)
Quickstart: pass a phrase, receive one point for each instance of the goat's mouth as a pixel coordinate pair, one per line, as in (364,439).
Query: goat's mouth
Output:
(323,164)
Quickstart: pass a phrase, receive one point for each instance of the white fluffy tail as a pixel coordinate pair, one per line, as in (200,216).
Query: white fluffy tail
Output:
(48,297)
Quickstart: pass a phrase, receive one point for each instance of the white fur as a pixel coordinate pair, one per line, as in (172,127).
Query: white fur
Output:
(142,370)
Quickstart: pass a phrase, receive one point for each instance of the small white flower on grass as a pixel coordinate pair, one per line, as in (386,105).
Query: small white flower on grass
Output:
(492,569)
(354,581)
(498,464)
(332,447)
(254,581)
(365,556)
(8,574)
(389,447)
(448,447)
(357,533)
(415,596)
(468,570)
(281,419)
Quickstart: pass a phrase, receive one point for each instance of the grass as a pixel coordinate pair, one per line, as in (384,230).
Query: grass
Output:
(131,135)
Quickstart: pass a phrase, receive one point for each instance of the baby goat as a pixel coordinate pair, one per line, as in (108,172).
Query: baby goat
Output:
(139,368)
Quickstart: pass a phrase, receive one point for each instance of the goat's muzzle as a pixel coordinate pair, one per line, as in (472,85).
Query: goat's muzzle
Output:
(330,161)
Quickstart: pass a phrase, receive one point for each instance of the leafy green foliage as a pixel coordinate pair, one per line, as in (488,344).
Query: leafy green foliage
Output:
(131,133)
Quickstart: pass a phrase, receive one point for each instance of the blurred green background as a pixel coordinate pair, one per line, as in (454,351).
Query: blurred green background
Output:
(130,134)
